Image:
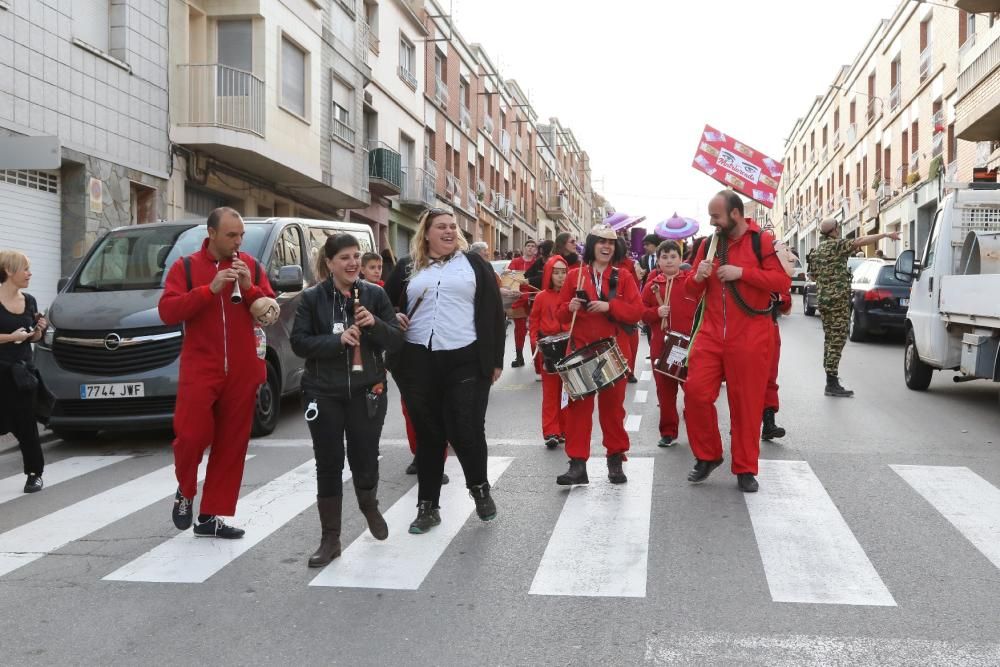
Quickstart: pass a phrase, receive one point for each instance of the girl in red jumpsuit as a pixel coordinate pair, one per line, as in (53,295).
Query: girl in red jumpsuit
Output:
(677,315)
(544,321)
(611,306)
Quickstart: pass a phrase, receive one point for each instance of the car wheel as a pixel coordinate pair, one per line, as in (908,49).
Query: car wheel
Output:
(855,332)
(268,407)
(809,310)
(916,373)
(74,434)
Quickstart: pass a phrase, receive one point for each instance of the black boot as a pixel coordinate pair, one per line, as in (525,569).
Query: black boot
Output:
(427,517)
(518,360)
(485,507)
(833,387)
(770,431)
(412,468)
(577,474)
(368,504)
(702,469)
(329,521)
(615,473)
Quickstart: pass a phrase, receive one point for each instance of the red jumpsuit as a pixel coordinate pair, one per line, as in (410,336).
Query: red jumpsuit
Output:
(219,376)
(544,321)
(626,308)
(521,323)
(736,346)
(682,307)
(771,395)
(628,264)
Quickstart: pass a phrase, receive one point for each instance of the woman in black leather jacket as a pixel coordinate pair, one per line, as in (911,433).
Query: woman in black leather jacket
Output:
(334,319)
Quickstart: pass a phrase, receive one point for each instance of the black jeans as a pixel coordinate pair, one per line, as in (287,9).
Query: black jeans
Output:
(446,397)
(17,416)
(339,417)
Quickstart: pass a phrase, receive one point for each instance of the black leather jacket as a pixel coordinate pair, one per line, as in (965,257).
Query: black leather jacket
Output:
(328,361)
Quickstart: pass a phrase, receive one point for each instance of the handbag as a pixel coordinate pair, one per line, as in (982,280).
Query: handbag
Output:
(25,377)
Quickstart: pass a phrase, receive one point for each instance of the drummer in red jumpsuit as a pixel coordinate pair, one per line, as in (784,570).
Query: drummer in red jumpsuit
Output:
(627,264)
(734,341)
(544,321)
(676,314)
(523,305)
(612,304)
(220,371)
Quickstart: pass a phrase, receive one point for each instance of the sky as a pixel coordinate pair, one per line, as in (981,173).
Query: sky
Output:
(637,80)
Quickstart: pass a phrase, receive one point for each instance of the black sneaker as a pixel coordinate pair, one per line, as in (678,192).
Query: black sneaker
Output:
(747,482)
(428,516)
(33,484)
(666,441)
(552,441)
(444,478)
(702,469)
(632,379)
(485,507)
(518,362)
(412,468)
(216,527)
(182,511)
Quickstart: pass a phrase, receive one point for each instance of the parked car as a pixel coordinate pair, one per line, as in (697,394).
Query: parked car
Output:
(879,300)
(809,298)
(110,360)
(799,277)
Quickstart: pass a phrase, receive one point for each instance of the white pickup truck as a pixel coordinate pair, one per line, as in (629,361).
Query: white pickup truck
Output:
(953,321)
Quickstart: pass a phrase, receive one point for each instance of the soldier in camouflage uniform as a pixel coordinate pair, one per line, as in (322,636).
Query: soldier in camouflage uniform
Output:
(828,266)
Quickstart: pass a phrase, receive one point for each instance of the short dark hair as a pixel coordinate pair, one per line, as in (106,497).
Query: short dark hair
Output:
(545,248)
(370,257)
(334,244)
(651,238)
(215,217)
(668,246)
(733,200)
(590,250)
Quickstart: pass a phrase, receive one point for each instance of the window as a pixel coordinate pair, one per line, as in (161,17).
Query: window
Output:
(92,23)
(235,41)
(966,27)
(407,60)
(293,78)
(287,252)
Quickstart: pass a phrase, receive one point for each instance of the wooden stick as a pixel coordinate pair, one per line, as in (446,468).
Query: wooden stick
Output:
(579,285)
(670,288)
(713,244)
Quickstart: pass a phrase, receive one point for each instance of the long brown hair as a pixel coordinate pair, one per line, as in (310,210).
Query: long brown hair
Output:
(419,244)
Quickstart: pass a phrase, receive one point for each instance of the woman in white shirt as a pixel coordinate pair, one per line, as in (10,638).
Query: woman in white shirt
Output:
(450,310)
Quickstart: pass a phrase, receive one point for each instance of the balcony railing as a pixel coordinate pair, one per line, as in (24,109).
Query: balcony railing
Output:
(418,188)
(385,173)
(465,118)
(488,124)
(223,96)
(408,77)
(505,142)
(951,171)
(371,37)
(361,48)
(894,97)
(440,91)
(988,61)
(897,182)
(970,42)
(342,131)
(823,155)
(556,206)
(852,133)
(452,186)
(926,63)
(873,112)
(838,139)
(937,144)
(470,200)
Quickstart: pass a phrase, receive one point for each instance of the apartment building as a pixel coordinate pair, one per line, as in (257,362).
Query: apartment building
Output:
(977,108)
(877,146)
(265,99)
(565,193)
(92,76)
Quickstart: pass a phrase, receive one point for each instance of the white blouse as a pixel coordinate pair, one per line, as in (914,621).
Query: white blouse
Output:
(445,318)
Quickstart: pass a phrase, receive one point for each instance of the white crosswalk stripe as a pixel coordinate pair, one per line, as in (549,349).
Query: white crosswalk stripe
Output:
(56,473)
(403,561)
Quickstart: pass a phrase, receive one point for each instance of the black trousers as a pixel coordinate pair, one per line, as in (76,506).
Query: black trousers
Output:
(17,416)
(337,418)
(446,397)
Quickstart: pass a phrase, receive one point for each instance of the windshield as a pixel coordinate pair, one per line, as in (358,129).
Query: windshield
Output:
(138,258)
(887,276)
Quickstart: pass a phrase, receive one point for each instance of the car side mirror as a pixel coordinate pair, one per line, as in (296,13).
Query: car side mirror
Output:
(905,269)
(62,283)
(289,279)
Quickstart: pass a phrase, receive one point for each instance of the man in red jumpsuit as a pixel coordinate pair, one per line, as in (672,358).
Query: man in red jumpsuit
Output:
(521,307)
(220,371)
(612,303)
(769,429)
(734,340)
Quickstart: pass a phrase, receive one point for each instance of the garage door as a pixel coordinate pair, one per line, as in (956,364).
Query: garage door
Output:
(30,221)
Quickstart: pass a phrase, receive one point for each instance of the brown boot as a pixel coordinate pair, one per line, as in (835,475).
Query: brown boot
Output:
(368,504)
(329,519)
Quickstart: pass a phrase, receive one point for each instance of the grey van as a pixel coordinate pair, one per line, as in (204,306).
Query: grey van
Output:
(110,360)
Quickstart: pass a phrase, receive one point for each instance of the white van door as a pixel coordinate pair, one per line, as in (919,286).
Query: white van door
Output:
(928,328)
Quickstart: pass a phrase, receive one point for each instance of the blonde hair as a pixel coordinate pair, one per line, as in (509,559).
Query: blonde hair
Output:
(11,261)
(419,244)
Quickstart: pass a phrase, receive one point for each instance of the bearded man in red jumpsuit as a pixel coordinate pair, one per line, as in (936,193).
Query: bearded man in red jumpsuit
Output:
(734,341)
(220,370)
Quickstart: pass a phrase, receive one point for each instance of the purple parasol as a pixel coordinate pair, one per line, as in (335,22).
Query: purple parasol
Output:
(676,228)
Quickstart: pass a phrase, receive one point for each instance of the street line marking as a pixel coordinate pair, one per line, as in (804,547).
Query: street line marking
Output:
(966,500)
(403,561)
(646,376)
(808,551)
(187,559)
(632,423)
(281,443)
(600,544)
(31,541)
(60,471)
(640,396)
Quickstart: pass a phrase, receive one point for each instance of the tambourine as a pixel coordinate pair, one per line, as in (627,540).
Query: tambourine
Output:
(265,311)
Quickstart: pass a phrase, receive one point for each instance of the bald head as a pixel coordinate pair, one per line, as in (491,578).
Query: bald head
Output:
(827,227)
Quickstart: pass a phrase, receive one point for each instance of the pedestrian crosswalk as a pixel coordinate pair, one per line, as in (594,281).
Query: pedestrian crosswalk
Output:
(597,545)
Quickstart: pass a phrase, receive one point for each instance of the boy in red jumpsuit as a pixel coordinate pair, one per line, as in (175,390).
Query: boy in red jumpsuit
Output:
(612,301)
(733,341)
(544,321)
(523,305)
(783,306)
(220,370)
(628,265)
(677,314)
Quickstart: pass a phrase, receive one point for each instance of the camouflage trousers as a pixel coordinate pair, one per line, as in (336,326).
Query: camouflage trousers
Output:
(835,317)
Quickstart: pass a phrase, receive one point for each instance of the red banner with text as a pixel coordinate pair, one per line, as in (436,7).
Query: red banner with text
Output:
(738,166)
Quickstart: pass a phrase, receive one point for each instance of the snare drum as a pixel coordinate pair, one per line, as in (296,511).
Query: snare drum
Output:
(673,361)
(512,280)
(553,350)
(592,368)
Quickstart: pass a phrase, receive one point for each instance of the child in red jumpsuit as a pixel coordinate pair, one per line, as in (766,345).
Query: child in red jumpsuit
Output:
(544,321)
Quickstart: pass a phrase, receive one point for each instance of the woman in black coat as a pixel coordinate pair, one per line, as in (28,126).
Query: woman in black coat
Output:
(450,310)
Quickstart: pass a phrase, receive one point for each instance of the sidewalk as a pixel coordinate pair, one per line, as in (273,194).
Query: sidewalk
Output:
(8,443)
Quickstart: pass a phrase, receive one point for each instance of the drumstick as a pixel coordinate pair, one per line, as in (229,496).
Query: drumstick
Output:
(416,305)
(670,288)
(579,285)
(659,300)
(712,247)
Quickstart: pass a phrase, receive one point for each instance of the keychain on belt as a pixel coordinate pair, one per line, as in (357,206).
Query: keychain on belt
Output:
(371,398)
(312,410)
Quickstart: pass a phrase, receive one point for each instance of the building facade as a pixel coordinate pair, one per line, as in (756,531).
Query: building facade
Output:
(977,108)
(92,74)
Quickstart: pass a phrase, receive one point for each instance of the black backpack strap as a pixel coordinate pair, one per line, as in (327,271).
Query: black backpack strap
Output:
(187,271)
(755,242)
(612,284)
(256,271)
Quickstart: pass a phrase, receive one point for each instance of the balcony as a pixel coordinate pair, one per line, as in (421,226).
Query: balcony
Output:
(488,124)
(225,97)
(408,77)
(385,173)
(418,188)
(470,200)
(894,97)
(978,115)
(505,143)
(453,189)
(371,38)
(873,112)
(926,63)
(464,118)
(440,92)
(823,154)
(361,46)
(937,144)
(838,140)
(556,207)
(914,160)
(342,131)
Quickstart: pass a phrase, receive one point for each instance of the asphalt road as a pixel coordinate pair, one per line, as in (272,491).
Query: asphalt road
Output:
(875,539)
